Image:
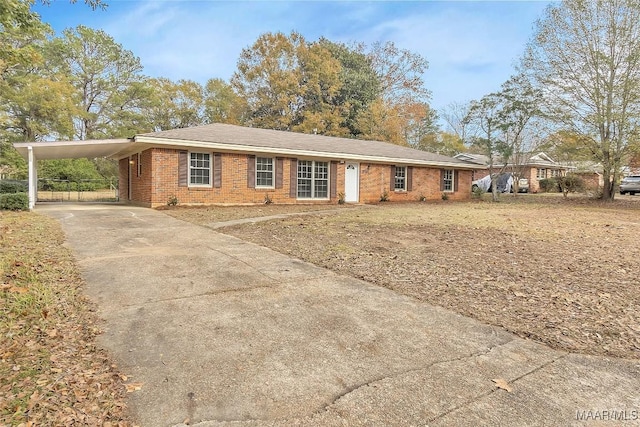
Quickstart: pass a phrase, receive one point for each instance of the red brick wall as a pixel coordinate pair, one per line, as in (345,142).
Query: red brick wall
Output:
(159,182)
(375,181)
(123,181)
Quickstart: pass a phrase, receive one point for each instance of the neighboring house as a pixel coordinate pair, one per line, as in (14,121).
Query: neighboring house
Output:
(534,168)
(227,164)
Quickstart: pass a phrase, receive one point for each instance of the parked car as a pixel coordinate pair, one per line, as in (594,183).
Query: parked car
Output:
(523,185)
(630,185)
(504,182)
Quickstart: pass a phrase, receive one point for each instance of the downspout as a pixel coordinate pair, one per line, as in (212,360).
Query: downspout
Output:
(33,178)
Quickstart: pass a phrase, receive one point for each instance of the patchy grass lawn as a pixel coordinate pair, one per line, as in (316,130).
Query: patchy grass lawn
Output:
(51,372)
(561,272)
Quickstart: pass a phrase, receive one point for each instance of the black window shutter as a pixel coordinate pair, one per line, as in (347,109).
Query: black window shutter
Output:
(293,179)
(441,180)
(409,178)
(455,181)
(392,179)
(251,171)
(279,167)
(217,170)
(183,169)
(333,174)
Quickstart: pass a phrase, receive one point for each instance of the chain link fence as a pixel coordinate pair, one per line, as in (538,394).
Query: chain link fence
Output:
(84,190)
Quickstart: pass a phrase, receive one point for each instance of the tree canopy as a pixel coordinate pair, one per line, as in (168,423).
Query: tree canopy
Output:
(585,58)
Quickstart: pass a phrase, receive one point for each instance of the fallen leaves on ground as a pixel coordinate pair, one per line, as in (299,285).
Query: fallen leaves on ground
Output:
(51,370)
(503,384)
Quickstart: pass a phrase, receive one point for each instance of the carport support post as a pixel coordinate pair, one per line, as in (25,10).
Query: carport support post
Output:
(33,178)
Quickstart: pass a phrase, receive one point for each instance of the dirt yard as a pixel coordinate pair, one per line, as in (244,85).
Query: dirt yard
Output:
(561,272)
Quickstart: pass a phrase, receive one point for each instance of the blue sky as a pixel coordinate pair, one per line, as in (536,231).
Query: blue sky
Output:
(471,46)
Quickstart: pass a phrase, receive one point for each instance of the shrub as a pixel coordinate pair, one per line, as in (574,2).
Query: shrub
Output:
(477,192)
(570,184)
(173,201)
(549,185)
(445,196)
(11,186)
(267,199)
(14,201)
(341,198)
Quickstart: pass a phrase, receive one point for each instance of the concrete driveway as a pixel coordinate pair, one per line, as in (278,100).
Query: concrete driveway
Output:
(220,331)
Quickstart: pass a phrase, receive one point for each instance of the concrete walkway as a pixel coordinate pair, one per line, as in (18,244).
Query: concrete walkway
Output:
(219,331)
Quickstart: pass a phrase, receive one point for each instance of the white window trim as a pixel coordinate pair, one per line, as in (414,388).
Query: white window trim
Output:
(404,187)
(273,173)
(313,170)
(453,183)
(538,173)
(210,185)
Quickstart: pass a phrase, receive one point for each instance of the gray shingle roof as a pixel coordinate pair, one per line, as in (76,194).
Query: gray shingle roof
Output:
(242,138)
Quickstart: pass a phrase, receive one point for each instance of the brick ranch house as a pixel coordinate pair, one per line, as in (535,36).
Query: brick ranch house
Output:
(227,164)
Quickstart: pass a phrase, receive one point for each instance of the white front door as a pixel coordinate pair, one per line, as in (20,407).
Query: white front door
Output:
(351,182)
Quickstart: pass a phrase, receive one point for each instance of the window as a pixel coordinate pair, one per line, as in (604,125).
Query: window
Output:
(200,169)
(313,179)
(542,173)
(264,172)
(400,178)
(447,180)
(555,172)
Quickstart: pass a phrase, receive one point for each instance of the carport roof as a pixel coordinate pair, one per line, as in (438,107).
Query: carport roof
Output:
(74,149)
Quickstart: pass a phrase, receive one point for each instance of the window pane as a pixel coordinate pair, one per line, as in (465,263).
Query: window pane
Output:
(400,178)
(447,178)
(264,172)
(199,168)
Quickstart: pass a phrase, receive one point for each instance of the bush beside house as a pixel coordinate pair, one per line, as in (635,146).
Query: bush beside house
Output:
(13,195)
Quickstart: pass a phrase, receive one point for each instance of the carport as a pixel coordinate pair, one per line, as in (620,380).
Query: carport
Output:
(34,151)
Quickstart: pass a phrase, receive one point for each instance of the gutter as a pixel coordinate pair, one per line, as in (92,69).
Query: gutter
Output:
(299,153)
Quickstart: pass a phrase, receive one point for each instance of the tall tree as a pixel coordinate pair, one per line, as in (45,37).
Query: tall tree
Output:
(519,109)
(400,73)
(268,78)
(102,72)
(585,57)
(221,103)
(484,116)
(171,105)
(359,86)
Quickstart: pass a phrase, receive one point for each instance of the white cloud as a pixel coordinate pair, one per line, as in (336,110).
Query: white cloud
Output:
(470,46)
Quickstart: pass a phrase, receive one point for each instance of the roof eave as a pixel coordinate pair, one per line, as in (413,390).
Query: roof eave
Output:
(241,148)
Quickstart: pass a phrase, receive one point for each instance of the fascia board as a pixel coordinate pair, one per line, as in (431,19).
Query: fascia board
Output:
(224,147)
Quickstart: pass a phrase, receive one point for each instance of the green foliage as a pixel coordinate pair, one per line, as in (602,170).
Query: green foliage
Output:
(12,186)
(444,143)
(549,185)
(571,183)
(173,200)
(102,73)
(222,104)
(444,196)
(14,201)
(68,169)
(384,197)
(477,192)
(359,84)
(12,163)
